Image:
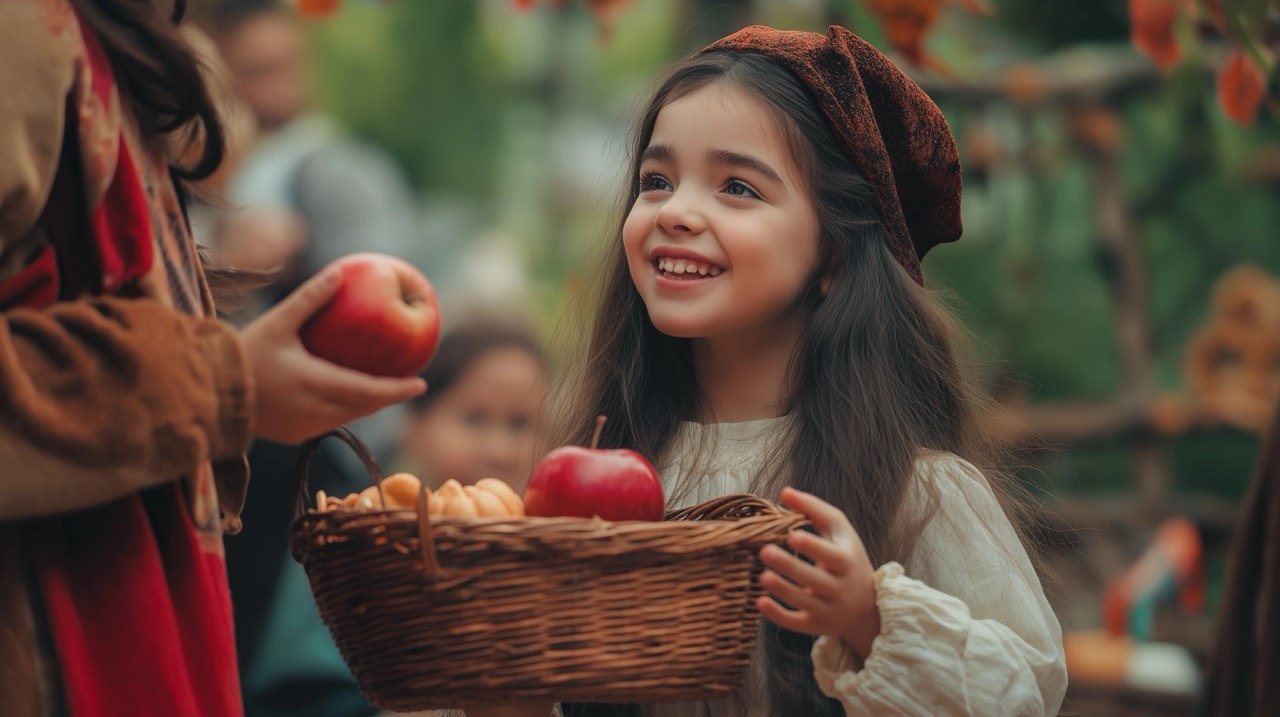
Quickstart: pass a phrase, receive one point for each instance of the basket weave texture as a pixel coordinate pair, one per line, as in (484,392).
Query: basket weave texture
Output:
(448,612)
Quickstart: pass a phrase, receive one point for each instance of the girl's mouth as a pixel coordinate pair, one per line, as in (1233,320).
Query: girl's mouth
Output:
(685,269)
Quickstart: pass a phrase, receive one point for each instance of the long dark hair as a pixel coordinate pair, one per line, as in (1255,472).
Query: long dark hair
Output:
(874,376)
(156,66)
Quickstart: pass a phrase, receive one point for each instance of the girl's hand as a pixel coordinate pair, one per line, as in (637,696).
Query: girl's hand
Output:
(298,394)
(836,595)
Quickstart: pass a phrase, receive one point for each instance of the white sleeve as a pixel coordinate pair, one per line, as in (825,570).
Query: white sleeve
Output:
(973,636)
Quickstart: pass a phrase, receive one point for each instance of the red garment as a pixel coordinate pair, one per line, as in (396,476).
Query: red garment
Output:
(139,614)
(134,592)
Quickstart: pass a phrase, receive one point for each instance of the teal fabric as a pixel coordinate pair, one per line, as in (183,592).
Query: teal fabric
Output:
(298,671)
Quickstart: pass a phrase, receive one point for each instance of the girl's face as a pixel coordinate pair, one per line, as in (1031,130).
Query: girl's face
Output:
(723,237)
(483,426)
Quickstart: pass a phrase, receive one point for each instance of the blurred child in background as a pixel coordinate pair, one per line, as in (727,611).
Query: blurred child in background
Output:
(479,419)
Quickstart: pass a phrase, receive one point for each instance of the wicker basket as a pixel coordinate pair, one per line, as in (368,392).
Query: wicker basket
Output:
(452,612)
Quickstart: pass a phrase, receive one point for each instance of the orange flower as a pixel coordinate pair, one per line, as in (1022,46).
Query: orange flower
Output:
(905,24)
(1241,87)
(317,8)
(1152,30)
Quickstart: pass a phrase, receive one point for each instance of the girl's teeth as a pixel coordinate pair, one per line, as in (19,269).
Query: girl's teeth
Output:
(684,266)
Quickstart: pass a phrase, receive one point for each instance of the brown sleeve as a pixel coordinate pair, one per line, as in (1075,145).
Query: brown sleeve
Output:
(103,397)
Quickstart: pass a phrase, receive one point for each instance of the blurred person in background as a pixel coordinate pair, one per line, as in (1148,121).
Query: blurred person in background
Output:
(350,195)
(254,238)
(297,193)
(480,419)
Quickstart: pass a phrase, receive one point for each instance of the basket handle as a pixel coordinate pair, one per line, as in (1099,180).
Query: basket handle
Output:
(344,434)
(309,448)
(426,543)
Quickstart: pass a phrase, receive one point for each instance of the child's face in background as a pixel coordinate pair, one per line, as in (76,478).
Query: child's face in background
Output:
(723,238)
(483,426)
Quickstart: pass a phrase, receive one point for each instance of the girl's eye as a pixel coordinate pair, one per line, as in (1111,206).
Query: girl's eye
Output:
(739,188)
(654,182)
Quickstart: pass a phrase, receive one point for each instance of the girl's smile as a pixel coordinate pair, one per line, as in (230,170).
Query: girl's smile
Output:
(679,269)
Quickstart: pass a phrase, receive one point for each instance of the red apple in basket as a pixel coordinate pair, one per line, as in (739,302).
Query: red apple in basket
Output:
(384,320)
(617,484)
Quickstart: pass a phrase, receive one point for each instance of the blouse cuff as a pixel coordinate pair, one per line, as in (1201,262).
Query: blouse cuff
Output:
(914,621)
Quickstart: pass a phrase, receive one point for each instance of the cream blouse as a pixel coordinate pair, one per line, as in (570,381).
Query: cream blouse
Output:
(965,626)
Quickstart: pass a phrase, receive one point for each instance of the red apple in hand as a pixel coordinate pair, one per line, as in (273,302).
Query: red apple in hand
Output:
(585,482)
(384,320)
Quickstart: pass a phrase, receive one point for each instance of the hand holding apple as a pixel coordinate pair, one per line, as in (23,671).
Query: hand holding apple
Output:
(384,319)
(297,395)
(614,484)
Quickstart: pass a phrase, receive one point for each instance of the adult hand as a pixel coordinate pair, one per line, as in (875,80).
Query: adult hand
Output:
(836,595)
(300,395)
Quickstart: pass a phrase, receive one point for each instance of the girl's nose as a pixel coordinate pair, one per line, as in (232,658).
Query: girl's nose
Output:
(679,216)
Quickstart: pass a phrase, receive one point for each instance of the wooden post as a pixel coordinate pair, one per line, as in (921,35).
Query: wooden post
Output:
(1125,272)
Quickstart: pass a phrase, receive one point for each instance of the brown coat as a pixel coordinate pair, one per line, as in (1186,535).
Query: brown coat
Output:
(99,397)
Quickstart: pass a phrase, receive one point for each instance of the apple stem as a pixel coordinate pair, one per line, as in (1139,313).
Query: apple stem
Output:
(595,438)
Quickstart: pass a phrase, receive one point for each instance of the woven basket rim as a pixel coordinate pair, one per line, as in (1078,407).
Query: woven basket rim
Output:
(542,536)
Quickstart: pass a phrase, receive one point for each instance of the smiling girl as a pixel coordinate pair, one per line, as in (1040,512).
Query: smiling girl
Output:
(764,327)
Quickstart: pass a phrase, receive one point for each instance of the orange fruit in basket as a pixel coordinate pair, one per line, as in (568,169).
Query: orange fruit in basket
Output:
(450,500)
(401,490)
(369,498)
(513,503)
(488,498)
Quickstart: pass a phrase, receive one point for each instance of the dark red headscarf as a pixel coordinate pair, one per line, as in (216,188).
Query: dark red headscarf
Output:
(889,127)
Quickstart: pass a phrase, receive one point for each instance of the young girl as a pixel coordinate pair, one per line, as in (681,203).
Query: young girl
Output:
(764,328)
(480,418)
(125,406)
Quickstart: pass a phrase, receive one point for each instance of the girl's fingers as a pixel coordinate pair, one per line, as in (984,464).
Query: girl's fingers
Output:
(822,551)
(818,581)
(794,620)
(306,300)
(790,593)
(825,517)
